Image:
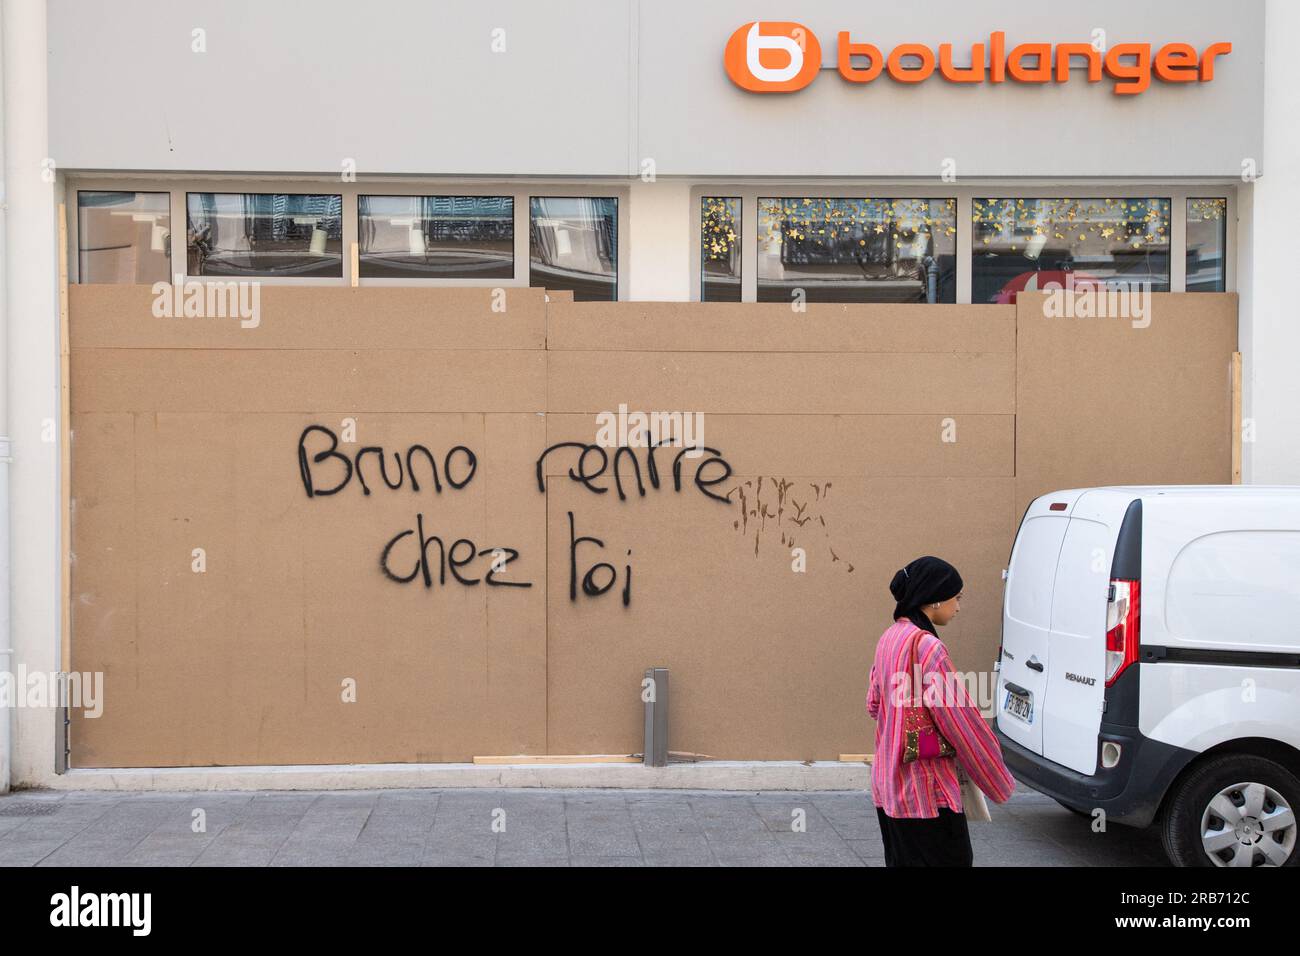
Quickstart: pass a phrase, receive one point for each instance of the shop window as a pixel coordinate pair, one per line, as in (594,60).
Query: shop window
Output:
(1027,244)
(1207,241)
(857,250)
(436,237)
(719,249)
(123,237)
(264,234)
(573,245)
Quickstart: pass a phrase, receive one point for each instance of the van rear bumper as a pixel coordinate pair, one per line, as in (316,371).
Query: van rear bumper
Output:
(1129,793)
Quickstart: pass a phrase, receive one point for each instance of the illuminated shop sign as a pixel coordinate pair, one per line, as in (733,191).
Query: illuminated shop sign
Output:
(771,56)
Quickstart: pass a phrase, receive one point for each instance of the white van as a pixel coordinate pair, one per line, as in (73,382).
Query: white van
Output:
(1150,664)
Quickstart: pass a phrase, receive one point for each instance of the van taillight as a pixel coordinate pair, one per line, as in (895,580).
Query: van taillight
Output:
(1123,626)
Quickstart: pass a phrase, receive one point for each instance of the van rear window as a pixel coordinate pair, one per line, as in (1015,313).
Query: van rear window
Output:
(1033,569)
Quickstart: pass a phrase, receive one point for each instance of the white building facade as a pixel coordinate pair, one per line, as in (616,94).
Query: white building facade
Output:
(612,148)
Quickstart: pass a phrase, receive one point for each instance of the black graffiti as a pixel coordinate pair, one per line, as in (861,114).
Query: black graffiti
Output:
(590,585)
(585,476)
(467,467)
(447,560)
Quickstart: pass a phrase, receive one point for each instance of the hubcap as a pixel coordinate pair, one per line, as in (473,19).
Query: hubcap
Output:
(1248,824)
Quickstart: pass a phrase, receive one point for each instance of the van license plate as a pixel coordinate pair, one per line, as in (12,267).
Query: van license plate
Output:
(1019,706)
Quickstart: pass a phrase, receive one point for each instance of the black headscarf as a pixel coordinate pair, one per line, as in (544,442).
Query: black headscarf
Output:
(926,580)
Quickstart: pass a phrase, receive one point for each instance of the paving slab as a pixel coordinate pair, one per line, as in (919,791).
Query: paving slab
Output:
(533,827)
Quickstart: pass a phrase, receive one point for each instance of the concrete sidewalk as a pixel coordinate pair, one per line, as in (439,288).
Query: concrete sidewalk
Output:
(517,828)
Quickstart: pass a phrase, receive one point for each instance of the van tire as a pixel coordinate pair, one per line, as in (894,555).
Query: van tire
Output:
(1181,821)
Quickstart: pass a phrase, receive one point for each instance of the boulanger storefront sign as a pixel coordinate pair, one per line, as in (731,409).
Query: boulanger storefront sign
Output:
(767,56)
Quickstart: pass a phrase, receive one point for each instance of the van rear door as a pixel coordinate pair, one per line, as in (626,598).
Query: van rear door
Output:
(1076,676)
(1027,619)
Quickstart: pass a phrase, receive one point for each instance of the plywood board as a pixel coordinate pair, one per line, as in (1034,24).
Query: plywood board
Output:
(776,383)
(1107,401)
(304,317)
(303,380)
(844,443)
(765,661)
(775,327)
(245,661)
(937,445)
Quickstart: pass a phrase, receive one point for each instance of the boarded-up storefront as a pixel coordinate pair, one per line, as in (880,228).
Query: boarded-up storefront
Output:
(355,498)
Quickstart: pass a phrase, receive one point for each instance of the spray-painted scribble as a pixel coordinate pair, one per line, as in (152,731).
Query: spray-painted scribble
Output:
(590,585)
(586,476)
(777,506)
(351,466)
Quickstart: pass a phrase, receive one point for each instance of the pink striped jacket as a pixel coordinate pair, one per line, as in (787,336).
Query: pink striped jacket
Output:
(921,787)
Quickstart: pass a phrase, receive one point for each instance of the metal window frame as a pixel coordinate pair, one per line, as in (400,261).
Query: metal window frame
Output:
(73,206)
(464,193)
(253,276)
(748,191)
(1229,236)
(1177,192)
(520,190)
(697,241)
(621,237)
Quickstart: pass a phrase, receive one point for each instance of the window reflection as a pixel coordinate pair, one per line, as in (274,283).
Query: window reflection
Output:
(1024,244)
(857,250)
(123,237)
(264,234)
(1207,240)
(719,249)
(573,243)
(437,237)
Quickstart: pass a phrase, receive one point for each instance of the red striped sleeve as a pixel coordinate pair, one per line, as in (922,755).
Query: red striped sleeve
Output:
(962,725)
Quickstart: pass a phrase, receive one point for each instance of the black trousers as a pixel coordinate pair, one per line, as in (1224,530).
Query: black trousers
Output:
(938,841)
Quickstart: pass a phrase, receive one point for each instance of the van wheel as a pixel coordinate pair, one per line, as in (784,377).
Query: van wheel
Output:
(1235,810)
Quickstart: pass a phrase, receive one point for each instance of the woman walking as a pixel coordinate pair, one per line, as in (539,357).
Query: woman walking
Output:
(923,738)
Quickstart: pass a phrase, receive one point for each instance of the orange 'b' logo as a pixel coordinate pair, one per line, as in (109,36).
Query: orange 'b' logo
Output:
(772,56)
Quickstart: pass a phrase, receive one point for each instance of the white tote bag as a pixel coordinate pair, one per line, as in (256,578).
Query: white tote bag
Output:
(972,799)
